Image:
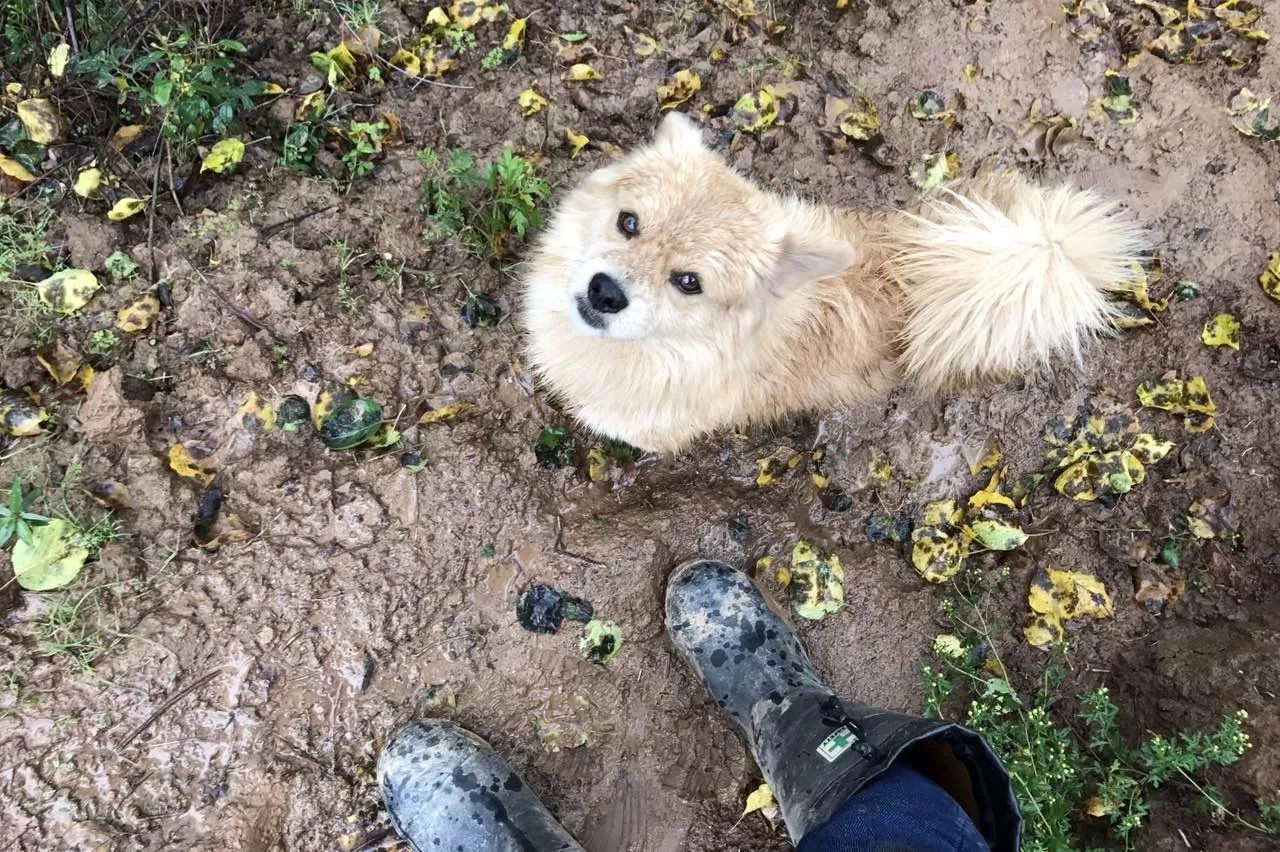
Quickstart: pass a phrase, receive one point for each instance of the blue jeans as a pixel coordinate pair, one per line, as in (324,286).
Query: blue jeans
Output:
(900,811)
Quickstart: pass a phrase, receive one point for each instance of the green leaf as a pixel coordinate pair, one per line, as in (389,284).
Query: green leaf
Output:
(52,558)
(162,91)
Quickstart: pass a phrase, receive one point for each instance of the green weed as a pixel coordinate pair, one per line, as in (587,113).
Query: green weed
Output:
(15,519)
(348,259)
(483,206)
(75,629)
(365,139)
(1060,773)
(103,342)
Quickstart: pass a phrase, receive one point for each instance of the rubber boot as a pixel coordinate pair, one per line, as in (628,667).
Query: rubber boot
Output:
(446,789)
(814,749)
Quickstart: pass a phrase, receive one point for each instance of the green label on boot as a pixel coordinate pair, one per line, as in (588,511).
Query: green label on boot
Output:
(840,741)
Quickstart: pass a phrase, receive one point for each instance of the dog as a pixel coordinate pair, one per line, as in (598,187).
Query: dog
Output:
(669,297)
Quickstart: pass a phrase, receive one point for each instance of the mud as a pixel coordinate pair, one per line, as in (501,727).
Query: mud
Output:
(244,702)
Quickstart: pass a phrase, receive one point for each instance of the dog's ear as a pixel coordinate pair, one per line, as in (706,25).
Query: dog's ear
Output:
(806,256)
(677,132)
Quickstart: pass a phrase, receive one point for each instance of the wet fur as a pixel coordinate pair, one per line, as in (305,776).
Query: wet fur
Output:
(804,307)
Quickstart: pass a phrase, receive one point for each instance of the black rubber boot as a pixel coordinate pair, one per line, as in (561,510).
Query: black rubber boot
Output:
(446,789)
(814,749)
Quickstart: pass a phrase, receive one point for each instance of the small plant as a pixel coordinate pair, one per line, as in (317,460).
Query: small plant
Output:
(484,206)
(99,534)
(348,258)
(188,86)
(494,59)
(14,517)
(366,144)
(358,14)
(120,265)
(1060,774)
(73,629)
(460,41)
(103,342)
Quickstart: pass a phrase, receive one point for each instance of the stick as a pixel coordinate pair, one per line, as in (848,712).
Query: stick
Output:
(269,231)
(71,27)
(174,699)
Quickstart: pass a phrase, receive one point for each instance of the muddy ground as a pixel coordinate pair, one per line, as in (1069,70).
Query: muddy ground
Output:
(244,701)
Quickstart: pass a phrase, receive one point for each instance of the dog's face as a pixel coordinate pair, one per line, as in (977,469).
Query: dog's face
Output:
(669,243)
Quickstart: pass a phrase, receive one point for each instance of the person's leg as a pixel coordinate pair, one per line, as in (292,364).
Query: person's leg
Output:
(828,761)
(446,789)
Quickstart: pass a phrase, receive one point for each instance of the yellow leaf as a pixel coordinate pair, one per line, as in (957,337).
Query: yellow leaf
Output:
(15,170)
(859,123)
(139,314)
(531,103)
(1057,597)
(817,582)
(941,512)
(1222,330)
(342,59)
(407,61)
(1270,277)
(126,207)
(514,38)
(58,58)
(990,496)
(934,170)
(761,797)
(1149,449)
(998,535)
(87,182)
(41,120)
(576,141)
(271,89)
(774,465)
(989,460)
(445,412)
(678,88)
(438,17)
(642,44)
(972,72)
(223,156)
(597,465)
(126,135)
(21,414)
(320,411)
(880,468)
(182,463)
(61,362)
(580,72)
(255,415)
(1095,807)
(937,555)
(69,290)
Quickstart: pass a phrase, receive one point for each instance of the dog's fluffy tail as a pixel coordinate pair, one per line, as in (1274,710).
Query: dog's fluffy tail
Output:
(1003,275)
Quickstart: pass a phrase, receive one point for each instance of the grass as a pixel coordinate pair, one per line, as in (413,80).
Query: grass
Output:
(486,206)
(24,242)
(75,629)
(348,259)
(1063,771)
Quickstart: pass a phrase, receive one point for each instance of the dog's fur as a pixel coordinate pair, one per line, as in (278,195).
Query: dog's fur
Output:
(803,307)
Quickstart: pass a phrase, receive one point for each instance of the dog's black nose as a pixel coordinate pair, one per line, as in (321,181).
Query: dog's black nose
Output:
(605,294)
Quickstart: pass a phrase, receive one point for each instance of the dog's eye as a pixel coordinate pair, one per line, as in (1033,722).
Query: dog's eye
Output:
(686,282)
(628,224)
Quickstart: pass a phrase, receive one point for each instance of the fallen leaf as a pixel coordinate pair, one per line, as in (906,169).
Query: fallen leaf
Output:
(126,135)
(69,290)
(1057,597)
(1222,330)
(182,463)
(87,183)
(942,513)
(576,141)
(817,582)
(514,39)
(53,559)
(929,106)
(601,641)
(761,797)
(580,72)
(972,72)
(255,415)
(223,156)
(531,103)
(879,468)
(446,412)
(126,207)
(934,170)
(937,554)
(678,89)
(597,465)
(58,58)
(138,314)
(998,535)
(61,362)
(1188,397)
(406,61)
(438,17)
(642,44)
(1251,115)
(756,111)
(1212,516)
(21,414)
(1270,277)
(15,170)
(860,123)
(774,465)
(41,120)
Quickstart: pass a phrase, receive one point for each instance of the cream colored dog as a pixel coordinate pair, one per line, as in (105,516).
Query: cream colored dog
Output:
(669,297)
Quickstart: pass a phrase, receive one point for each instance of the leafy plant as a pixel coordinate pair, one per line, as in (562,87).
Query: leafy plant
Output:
(1060,773)
(185,84)
(14,517)
(120,265)
(494,59)
(366,143)
(103,342)
(484,206)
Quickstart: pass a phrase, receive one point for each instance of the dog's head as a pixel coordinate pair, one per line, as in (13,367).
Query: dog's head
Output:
(670,243)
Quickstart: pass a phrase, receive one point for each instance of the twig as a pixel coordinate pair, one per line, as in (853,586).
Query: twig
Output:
(71,27)
(563,551)
(174,699)
(246,317)
(269,231)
